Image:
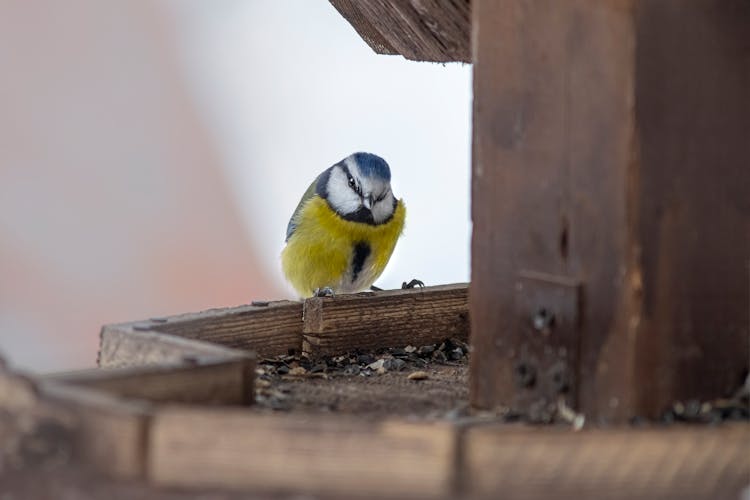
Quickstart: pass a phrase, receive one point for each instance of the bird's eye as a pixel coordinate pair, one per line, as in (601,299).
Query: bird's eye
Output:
(351,182)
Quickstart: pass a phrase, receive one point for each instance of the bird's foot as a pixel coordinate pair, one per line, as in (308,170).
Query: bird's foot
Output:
(326,291)
(412,284)
(376,288)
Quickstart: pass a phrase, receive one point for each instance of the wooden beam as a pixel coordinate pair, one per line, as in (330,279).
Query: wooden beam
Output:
(270,329)
(609,203)
(681,462)
(393,318)
(323,454)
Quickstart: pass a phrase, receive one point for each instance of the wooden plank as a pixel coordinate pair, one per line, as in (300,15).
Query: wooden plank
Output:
(124,346)
(420,30)
(43,424)
(391,318)
(330,454)
(692,110)
(609,152)
(111,434)
(681,462)
(221,382)
(268,330)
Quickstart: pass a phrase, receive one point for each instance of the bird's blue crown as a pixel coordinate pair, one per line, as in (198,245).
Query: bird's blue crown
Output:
(371,165)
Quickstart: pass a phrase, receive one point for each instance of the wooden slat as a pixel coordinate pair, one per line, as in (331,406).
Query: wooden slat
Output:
(268,330)
(330,454)
(393,318)
(683,462)
(224,382)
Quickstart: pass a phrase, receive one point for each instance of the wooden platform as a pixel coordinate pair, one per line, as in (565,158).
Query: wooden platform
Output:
(177,416)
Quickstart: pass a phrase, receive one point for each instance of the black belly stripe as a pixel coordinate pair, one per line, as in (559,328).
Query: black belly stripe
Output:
(361,252)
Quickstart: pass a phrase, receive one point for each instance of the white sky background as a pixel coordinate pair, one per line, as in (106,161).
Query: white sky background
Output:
(288,88)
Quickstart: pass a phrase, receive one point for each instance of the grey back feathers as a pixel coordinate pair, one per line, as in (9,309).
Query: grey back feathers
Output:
(293,220)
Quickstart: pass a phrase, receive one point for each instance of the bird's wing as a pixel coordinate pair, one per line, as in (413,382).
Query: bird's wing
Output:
(305,197)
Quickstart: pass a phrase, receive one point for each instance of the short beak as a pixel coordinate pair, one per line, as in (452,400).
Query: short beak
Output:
(367,202)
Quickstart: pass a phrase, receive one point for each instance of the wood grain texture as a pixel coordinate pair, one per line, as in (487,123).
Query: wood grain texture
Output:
(332,454)
(220,382)
(420,30)
(695,462)
(122,346)
(393,318)
(44,423)
(111,433)
(349,9)
(608,151)
(266,330)
(692,191)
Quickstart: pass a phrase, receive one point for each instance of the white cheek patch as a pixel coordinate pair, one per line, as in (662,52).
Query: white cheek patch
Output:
(383,209)
(341,197)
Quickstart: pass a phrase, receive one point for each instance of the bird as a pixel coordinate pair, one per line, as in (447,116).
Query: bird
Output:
(344,230)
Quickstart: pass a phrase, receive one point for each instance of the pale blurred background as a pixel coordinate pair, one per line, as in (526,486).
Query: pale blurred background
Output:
(151,154)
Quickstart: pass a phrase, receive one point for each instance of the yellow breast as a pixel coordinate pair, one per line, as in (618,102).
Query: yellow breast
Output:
(320,253)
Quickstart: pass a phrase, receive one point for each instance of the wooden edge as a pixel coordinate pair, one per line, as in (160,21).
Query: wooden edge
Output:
(159,322)
(417,30)
(677,462)
(364,28)
(316,453)
(227,381)
(267,328)
(121,345)
(277,328)
(112,432)
(393,318)
(369,296)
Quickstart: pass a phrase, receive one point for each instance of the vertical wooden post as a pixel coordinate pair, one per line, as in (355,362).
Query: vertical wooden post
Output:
(611,203)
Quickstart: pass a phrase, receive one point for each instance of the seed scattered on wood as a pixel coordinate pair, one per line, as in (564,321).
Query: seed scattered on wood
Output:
(426,350)
(419,375)
(439,357)
(319,368)
(365,359)
(297,371)
(376,365)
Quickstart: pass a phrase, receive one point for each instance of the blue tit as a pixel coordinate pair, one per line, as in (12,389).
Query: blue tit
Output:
(344,229)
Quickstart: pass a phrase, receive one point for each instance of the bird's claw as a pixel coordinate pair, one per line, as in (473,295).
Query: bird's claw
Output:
(326,291)
(412,284)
